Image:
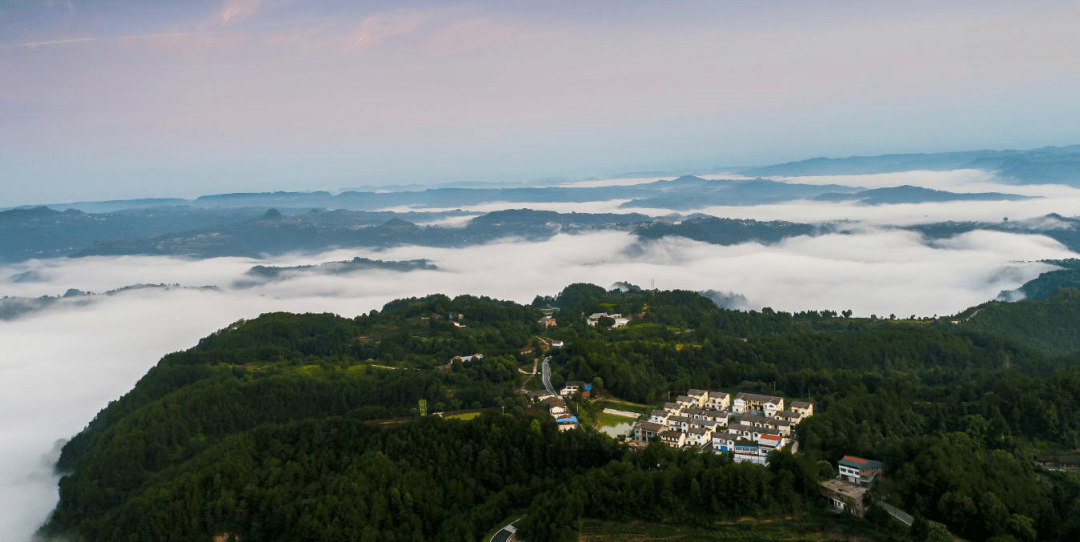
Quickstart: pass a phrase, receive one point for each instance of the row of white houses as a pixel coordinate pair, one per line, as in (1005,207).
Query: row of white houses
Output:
(751,426)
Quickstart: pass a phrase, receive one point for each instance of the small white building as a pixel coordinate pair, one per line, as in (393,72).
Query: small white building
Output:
(619,319)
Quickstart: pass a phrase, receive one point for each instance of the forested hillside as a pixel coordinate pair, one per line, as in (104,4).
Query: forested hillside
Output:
(291,427)
(1050,324)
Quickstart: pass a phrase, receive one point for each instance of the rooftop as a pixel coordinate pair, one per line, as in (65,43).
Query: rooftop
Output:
(758,398)
(843,488)
(860,463)
(751,419)
(650,426)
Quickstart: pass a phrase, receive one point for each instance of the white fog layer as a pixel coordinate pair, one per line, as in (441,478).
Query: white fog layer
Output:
(61,364)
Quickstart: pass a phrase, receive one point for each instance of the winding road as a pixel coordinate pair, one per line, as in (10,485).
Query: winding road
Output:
(547,376)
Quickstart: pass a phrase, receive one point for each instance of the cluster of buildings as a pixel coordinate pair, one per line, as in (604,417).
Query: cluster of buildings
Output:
(556,406)
(619,319)
(750,426)
(574,386)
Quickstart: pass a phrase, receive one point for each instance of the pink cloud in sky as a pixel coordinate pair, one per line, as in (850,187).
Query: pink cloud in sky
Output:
(232,11)
(376,29)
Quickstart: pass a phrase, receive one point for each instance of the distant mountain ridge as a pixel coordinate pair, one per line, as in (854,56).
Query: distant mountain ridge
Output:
(1033,166)
(261,274)
(914,194)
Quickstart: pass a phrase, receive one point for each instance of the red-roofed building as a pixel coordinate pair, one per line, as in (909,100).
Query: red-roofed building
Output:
(857,470)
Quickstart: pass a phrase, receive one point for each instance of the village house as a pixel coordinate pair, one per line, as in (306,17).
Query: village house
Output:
(727,417)
(694,413)
(674,439)
(538,395)
(697,436)
(859,471)
(804,408)
(748,451)
(711,425)
(770,443)
(718,400)
(464,359)
(1062,462)
(679,423)
(750,432)
(789,416)
(659,416)
(548,321)
(566,423)
(724,442)
(844,497)
(619,319)
(685,401)
(766,404)
(700,395)
(573,386)
(645,431)
(776,424)
(846,492)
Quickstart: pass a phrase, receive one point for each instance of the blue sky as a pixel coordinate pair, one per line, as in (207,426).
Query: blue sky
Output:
(114,99)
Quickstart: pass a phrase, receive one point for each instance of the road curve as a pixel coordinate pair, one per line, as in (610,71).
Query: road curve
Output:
(547,376)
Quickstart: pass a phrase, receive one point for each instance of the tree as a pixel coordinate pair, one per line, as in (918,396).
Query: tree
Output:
(825,470)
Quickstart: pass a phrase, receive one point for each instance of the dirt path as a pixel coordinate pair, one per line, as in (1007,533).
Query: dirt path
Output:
(533,375)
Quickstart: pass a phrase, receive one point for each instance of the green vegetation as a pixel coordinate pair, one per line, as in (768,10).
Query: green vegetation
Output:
(303,426)
(462,416)
(1046,284)
(1048,324)
(810,527)
(605,419)
(624,405)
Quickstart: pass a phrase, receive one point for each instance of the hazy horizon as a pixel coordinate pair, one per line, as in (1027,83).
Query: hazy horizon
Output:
(110,101)
(216,96)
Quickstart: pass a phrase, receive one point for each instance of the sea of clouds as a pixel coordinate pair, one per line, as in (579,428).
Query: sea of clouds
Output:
(60,366)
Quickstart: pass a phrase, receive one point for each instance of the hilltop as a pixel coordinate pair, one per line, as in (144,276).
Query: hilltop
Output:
(308,426)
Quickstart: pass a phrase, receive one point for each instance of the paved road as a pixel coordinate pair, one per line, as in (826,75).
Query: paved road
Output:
(547,376)
(505,533)
(897,513)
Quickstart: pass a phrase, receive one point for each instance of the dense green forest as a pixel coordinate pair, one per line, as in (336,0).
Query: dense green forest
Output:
(290,427)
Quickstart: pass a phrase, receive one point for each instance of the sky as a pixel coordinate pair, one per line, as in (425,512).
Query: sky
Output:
(110,100)
(115,100)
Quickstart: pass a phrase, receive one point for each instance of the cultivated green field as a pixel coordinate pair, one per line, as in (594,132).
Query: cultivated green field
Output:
(463,416)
